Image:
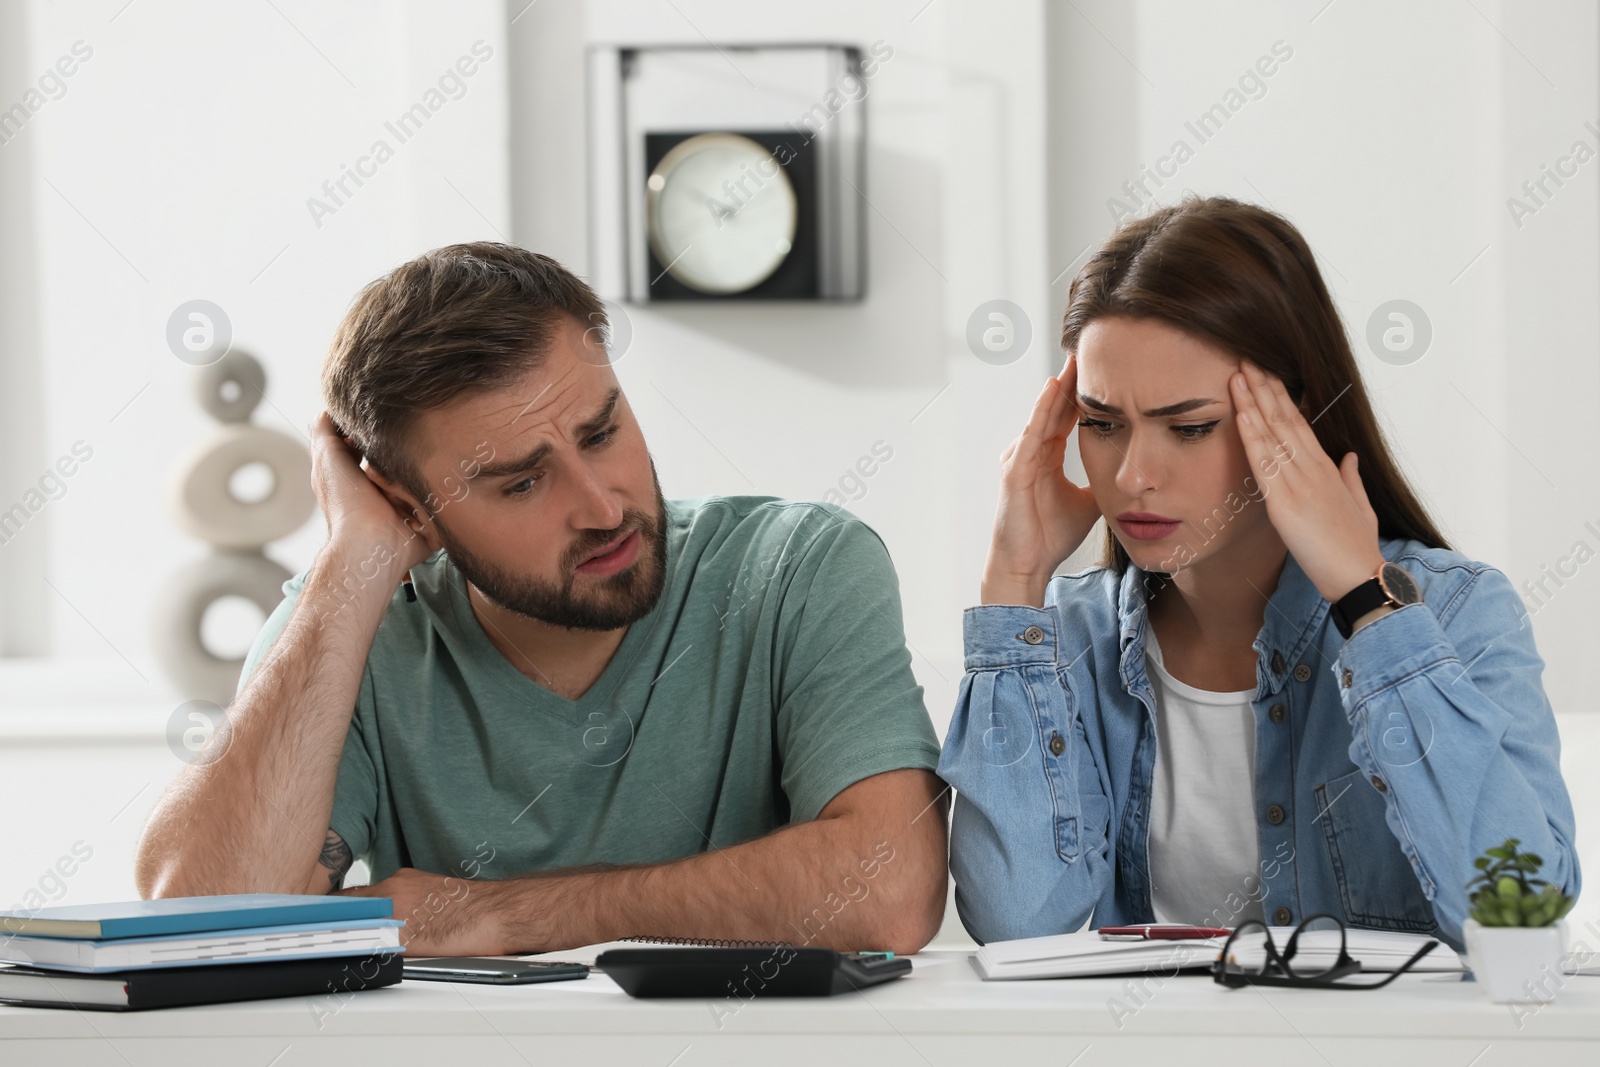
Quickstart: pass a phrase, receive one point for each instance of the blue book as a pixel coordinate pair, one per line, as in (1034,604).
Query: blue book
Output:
(191,915)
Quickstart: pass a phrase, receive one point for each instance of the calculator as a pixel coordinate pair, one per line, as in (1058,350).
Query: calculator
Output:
(777,971)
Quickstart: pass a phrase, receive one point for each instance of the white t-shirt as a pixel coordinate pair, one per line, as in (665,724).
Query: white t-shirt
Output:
(1204,854)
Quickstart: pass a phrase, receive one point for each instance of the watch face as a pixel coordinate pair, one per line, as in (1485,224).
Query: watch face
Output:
(721,213)
(1398,584)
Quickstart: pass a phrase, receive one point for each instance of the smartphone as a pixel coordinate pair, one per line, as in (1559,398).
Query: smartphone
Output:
(495,970)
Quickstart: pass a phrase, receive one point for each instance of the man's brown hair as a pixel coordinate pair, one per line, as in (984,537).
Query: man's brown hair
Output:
(461,319)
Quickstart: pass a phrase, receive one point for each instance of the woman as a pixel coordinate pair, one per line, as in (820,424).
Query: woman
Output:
(1283,694)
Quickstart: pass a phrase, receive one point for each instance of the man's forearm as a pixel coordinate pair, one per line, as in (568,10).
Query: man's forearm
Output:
(255,819)
(859,881)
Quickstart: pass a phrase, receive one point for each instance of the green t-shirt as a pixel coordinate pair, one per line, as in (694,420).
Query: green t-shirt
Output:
(771,675)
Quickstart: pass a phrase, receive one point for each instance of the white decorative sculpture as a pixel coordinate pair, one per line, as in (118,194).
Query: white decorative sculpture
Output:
(205,506)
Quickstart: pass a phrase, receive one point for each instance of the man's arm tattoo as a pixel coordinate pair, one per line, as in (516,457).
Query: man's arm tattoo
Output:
(337,858)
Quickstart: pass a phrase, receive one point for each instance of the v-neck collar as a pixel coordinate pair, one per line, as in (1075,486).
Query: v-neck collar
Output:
(499,671)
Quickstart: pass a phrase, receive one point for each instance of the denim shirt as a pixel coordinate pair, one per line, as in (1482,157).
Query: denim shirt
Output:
(1383,765)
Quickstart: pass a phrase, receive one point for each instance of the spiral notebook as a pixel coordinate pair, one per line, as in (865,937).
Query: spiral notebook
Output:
(702,942)
(1085,954)
(587,954)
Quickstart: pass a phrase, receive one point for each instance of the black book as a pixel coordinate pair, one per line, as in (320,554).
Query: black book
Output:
(172,987)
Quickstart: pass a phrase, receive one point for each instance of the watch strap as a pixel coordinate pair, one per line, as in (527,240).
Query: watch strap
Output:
(1356,603)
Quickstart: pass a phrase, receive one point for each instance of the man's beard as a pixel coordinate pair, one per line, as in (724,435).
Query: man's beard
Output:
(617,600)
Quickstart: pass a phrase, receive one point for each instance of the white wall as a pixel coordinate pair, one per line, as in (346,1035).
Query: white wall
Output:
(22,452)
(178,164)
(996,134)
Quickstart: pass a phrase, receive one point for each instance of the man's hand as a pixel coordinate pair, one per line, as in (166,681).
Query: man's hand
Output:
(445,915)
(868,872)
(360,512)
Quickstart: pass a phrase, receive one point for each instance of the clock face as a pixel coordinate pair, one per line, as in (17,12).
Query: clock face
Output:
(1398,584)
(721,213)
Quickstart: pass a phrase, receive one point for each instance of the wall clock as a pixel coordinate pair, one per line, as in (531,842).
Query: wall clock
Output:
(730,173)
(721,213)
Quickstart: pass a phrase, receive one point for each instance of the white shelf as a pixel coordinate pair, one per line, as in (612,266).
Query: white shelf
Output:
(80,699)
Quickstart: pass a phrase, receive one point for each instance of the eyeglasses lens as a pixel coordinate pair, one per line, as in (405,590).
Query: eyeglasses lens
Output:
(1251,951)
(1317,945)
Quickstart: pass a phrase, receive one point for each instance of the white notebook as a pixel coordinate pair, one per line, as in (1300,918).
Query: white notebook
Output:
(1084,953)
(262,943)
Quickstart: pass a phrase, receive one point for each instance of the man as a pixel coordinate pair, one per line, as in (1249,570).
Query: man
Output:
(604,714)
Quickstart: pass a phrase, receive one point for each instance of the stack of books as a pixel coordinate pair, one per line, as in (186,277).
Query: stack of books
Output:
(197,950)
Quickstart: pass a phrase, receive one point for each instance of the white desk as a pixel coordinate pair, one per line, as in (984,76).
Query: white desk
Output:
(941,1014)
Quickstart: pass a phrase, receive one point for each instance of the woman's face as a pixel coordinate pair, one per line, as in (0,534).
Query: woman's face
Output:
(1159,444)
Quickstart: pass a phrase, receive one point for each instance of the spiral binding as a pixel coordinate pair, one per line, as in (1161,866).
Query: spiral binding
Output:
(707,942)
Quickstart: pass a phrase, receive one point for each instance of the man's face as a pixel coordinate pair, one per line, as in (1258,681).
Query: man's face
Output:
(530,482)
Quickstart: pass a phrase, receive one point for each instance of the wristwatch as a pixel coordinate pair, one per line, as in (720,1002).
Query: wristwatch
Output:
(1392,585)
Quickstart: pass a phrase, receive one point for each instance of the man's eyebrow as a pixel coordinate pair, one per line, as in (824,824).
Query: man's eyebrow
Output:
(518,464)
(1183,407)
(607,411)
(514,466)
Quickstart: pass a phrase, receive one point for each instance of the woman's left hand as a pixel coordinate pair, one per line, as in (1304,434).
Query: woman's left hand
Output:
(1319,509)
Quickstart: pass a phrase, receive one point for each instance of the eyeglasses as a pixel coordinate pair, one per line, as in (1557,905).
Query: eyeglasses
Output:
(1315,957)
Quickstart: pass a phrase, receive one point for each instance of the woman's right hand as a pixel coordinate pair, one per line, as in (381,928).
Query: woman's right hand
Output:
(362,517)
(1042,517)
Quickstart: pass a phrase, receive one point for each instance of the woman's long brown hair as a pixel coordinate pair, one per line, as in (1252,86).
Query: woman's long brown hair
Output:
(1242,278)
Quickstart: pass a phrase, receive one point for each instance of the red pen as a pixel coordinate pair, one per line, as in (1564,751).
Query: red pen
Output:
(1161,932)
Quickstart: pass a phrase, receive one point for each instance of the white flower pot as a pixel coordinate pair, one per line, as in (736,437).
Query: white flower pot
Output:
(1517,964)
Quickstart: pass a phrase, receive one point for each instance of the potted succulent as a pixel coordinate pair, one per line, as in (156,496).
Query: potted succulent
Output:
(1515,937)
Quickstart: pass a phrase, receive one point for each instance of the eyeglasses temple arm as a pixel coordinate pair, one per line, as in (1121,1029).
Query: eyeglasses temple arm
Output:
(1406,966)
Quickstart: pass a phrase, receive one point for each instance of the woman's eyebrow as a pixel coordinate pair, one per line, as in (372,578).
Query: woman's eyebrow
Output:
(1183,407)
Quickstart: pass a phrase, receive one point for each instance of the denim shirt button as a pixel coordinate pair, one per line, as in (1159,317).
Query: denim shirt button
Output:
(1058,744)
(1282,917)
(1033,635)
(1277,663)
(1277,713)
(1275,815)
(1302,673)
(1346,678)
(1379,784)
